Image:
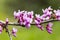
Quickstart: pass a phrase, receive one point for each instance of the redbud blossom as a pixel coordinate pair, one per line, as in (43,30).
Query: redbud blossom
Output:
(30,14)
(47,9)
(7,21)
(14,30)
(57,13)
(49,27)
(40,26)
(0,29)
(38,20)
(47,13)
(24,17)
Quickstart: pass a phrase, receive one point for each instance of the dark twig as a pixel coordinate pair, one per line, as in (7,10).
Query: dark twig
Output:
(17,24)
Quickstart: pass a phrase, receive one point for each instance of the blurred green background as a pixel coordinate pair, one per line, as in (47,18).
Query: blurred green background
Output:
(7,7)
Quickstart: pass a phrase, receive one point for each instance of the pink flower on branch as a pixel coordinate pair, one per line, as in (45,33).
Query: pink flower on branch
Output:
(49,27)
(14,30)
(38,20)
(7,21)
(47,9)
(47,13)
(57,13)
(0,29)
(24,17)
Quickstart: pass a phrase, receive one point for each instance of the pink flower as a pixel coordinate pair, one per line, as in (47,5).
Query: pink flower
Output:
(38,20)
(30,14)
(27,25)
(49,27)
(57,13)
(24,17)
(15,15)
(18,14)
(47,9)
(40,26)
(7,21)
(14,30)
(27,22)
(47,13)
(0,29)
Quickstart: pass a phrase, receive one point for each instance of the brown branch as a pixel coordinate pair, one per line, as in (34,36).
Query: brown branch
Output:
(17,24)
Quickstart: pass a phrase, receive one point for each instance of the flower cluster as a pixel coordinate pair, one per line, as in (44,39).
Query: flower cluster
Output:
(24,17)
(47,13)
(27,18)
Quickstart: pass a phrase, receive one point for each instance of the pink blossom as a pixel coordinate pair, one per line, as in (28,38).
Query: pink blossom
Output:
(57,13)
(27,25)
(47,13)
(14,30)
(38,20)
(46,16)
(24,17)
(40,26)
(7,21)
(18,14)
(0,29)
(30,14)
(47,9)
(49,27)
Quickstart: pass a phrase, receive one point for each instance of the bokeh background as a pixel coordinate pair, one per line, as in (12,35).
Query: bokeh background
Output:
(7,7)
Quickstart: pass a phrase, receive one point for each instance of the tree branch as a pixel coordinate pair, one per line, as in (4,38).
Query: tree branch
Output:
(17,24)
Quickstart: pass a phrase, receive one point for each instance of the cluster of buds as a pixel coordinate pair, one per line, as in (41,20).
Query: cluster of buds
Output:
(47,13)
(27,18)
(24,17)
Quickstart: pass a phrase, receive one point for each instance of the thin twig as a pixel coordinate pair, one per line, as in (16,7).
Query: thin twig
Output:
(17,24)
(9,35)
(7,30)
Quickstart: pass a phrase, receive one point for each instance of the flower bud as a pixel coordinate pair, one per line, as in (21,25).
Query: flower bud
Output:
(0,29)
(14,30)
(40,26)
(7,21)
(49,27)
